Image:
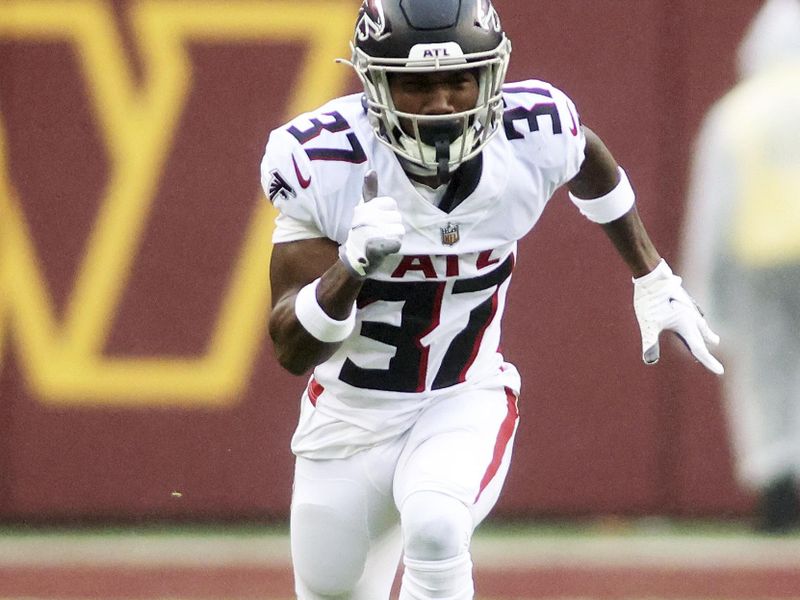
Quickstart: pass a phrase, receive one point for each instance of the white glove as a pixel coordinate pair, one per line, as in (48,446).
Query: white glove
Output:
(375,232)
(660,303)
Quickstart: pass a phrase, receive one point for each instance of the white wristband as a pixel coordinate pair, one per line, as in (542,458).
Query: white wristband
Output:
(316,321)
(611,206)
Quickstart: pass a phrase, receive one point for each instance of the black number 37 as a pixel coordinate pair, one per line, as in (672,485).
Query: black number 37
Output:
(338,123)
(422,302)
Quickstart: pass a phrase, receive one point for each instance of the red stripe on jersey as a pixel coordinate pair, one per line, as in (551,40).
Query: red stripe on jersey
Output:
(425,350)
(452,265)
(462,376)
(314,391)
(503,437)
(485,260)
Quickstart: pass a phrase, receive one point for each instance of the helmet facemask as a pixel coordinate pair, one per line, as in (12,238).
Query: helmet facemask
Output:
(435,144)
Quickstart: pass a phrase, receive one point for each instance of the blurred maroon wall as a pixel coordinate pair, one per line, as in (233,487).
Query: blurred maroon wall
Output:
(601,433)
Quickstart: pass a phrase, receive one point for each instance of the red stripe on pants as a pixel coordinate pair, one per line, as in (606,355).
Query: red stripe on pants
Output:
(503,437)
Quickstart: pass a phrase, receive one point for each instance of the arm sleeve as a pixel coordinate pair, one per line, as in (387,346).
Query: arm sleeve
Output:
(573,142)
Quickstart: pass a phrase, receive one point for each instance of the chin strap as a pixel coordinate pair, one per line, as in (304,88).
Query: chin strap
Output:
(442,146)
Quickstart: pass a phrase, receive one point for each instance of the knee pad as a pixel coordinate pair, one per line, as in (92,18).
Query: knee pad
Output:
(328,551)
(435,526)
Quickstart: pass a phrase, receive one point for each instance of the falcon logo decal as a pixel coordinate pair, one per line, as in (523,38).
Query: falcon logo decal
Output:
(487,17)
(279,187)
(372,21)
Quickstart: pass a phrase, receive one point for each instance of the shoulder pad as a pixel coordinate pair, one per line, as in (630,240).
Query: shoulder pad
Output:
(314,165)
(330,133)
(544,127)
(535,106)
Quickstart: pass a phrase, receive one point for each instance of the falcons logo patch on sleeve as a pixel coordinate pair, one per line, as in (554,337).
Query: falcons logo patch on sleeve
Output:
(279,187)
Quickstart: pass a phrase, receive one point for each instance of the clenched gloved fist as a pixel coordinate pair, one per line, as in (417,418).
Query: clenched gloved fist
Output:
(660,303)
(375,232)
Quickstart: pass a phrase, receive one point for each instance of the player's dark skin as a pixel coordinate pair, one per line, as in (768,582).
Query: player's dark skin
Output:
(295,264)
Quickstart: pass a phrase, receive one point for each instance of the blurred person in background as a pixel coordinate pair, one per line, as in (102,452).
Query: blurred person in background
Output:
(742,257)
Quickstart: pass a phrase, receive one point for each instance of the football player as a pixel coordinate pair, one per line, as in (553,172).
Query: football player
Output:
(400,212)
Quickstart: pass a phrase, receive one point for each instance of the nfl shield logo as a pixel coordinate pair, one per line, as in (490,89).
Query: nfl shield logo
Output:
(449,234)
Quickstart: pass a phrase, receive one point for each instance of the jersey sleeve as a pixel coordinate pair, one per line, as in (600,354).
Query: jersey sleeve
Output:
(574,140)
(287,182)
(546,124)
(313,171)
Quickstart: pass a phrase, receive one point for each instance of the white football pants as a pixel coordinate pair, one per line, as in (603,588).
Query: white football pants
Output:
(419,496)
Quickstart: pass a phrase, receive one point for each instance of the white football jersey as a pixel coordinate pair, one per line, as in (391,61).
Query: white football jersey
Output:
(428,320)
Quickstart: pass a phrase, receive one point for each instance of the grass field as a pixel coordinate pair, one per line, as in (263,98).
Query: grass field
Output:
(610,559)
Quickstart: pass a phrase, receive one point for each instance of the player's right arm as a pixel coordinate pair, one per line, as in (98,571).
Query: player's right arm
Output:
(315,281)
(295,265)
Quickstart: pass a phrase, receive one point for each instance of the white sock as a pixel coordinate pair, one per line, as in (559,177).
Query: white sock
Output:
(449,579)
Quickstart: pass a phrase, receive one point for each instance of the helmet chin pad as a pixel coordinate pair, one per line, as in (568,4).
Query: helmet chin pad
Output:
(437,143)
(440,135)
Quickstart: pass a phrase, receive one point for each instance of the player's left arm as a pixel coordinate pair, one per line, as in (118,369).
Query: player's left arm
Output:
(602,192)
